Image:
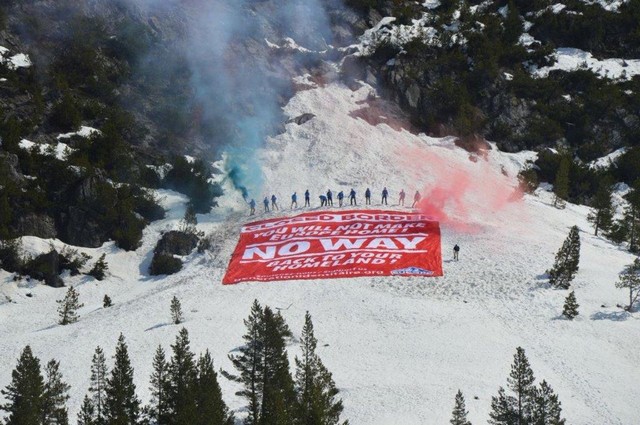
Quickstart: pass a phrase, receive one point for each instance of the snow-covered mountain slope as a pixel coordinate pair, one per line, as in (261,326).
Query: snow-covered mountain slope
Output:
(399,348)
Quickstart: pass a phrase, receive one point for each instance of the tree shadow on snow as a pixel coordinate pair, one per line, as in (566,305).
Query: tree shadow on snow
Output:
(616,316)
(48,327)
(159,325)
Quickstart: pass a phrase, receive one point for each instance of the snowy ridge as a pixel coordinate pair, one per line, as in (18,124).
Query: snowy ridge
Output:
(608,160)
(572,59)
(83,132)
(59,150)
(610,5)
(398,347)
(19,60)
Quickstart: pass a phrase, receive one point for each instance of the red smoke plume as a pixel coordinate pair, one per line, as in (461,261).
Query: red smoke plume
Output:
(464,194)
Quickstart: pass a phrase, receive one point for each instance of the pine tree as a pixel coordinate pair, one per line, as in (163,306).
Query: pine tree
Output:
(190,221)
(159,386)
(250,365)
(602,215)
(106,301)
(567,259)
(520,381)
(98,385)
(630,279)
(570,309)
(211,409)
(69,307)
(25,393)
(632,217)
(508,410)
(546,407)
(99,270)
(86,416)
(122,406)
(561,184)
(316,391)
(54,404)
(278,399)
(503,409)
(459,414)
(176,311)
(181,396)
(513,26)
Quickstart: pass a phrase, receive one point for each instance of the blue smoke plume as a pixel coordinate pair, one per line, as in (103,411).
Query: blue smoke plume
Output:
(239,84)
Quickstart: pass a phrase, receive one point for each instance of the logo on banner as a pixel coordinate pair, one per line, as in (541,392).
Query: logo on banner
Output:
(412,270)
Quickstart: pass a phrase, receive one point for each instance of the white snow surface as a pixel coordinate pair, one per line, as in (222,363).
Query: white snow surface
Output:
(610,5)
(398,347)
(385,31)
(83,132)
(608,160)
(59,150)
(19,60)
(431,4)
(571,59)
(557,8)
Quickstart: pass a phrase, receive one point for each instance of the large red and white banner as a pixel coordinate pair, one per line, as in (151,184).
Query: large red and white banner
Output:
(327,244)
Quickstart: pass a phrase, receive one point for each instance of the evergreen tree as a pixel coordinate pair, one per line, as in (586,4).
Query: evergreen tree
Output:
(122,406)
(176,311)
(106,301)
(54,404)
(69,306)
(509,410)
(630,279)
(182,377)
(86,416)
(316,391)
(99,270)
(459,414)
(520,381)
(278,399)
(546,410)
(25,393)
(602,214)
(513,26)
(570,309)
(503,409)
(561,184)
(190,220)
(567,259)
(159,386)
(250,365)
(6,216)
(211,409)
(98,385)
(632,217)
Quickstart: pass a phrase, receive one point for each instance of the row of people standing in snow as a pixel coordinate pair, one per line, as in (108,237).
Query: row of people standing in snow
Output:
(326,200)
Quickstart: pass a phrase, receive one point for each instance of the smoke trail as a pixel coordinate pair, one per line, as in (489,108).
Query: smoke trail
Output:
(239,85)
(466,195)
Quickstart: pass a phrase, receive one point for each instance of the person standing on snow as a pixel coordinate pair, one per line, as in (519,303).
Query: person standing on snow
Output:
(352,197)
(329,198)
(274,204)
(252,205)
(367,197)
(266,204)
(385,193)
(307,198)
(456,250)
(323,200)
(294,200)
(340,198)
(401,200)
(416,199)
